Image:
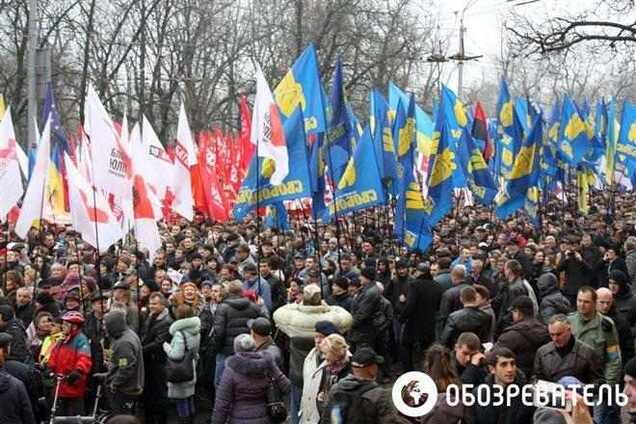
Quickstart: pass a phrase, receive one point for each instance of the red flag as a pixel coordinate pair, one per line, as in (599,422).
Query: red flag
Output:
(212,189)
(480,131)
(246,147)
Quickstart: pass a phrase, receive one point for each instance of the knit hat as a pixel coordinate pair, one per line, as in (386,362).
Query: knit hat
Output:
(244,343)
(326,328)
(6,312)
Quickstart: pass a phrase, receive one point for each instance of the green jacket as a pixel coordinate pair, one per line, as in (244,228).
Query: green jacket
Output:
(600,334)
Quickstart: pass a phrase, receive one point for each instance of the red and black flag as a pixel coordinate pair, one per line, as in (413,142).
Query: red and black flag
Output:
(480,132)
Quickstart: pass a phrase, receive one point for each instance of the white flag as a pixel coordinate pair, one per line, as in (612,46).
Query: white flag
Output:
(111,160)
(33,203)
(146,206)
(159,166)
(90,212)
(267,130)
(11,188)
(185,157)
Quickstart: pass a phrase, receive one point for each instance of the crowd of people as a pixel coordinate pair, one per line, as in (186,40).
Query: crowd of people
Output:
(233,323)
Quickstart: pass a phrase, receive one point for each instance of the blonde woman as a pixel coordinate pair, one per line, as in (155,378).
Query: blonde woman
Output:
(335,355)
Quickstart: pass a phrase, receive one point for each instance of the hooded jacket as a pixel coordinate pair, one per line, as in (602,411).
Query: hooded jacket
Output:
(625,299)
(230,320)
(127,372)
(15,407)
(356,401)
(524,338)
(241,396)
(184,332)
(552,300)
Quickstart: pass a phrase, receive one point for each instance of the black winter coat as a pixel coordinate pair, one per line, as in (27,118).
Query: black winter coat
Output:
(15,407)
(154,334)
(366,310)
(230,320)
(450,303)
(524,338)
(552,300)
(468,319)
(626,306)
(19,350)
(421,312)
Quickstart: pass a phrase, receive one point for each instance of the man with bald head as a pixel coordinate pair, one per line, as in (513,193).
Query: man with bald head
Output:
(606,305)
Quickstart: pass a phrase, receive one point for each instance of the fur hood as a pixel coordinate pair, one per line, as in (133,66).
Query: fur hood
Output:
(253,364)
(190,325)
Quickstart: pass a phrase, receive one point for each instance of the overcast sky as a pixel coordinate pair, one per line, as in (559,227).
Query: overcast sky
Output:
(484,21)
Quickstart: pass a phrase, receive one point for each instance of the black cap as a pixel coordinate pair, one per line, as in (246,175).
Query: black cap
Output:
(260,326)
(5,339)
(121,285)
(524,305)
(299,255)
(364,357)
(206,283)
(326,328)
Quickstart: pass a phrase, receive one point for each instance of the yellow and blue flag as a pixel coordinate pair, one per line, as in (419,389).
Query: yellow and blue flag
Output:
(440,177)
(380,126)
(626,145)
(611,142)
(480,181)
(56,186)
(296,184)
(360,186)
(403,142)
(509,132)
(454,112)
(276,217)
(521,189)
(573,141)
(301,86)
(340,132)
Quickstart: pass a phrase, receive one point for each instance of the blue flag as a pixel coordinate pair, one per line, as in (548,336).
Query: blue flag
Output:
(521,189)
(479,178)
(509,132)
(301,86)
(573,141)
(626,145)
(380,125)
(340,132)
(440,178)
(360,186)
(296,184)
(276,217)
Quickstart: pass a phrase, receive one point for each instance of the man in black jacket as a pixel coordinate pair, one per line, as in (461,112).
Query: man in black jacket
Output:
(606,305)
(450,299)
(419,316)
(525,336)
(15,406)
(13,326)
(395,291)
(154,334)
(624,298)
(231,320)
(468,319)
(366,310)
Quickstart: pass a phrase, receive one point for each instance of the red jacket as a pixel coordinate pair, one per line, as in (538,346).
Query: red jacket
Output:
(72,354)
